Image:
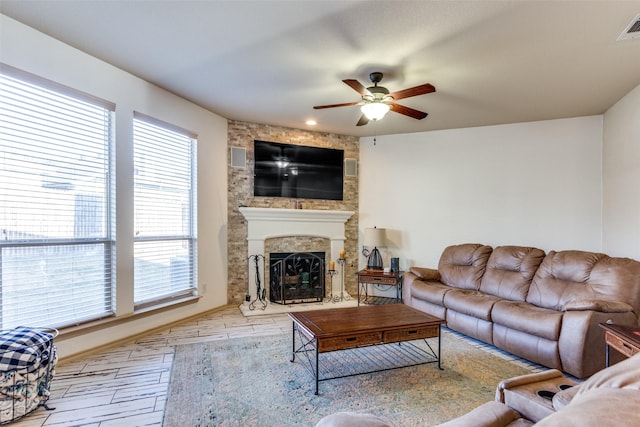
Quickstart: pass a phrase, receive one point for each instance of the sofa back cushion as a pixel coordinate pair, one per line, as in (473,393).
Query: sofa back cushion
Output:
(571,276)
(462,266)
(510,270)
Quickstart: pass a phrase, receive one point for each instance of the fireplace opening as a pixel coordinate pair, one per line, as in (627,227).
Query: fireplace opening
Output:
(296,277)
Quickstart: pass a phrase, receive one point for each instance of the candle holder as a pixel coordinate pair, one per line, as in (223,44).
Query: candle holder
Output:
(331,297)
(342,262)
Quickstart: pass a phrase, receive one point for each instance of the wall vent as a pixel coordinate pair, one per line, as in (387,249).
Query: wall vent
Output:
(632,31)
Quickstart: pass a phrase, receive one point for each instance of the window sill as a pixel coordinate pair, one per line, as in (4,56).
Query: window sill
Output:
(107,322)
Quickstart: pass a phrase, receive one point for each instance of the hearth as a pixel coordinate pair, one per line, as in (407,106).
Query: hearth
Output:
(296,277)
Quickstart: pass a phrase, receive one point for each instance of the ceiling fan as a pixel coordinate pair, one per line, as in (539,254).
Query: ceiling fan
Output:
(377,101)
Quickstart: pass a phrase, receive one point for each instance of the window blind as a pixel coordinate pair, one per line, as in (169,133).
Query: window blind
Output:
(56,210)
(165,252)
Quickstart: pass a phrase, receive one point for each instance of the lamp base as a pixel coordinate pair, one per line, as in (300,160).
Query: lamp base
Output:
(375,260)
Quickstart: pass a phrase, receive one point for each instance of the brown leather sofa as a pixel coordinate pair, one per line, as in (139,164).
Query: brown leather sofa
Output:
(610,398)
(543,307)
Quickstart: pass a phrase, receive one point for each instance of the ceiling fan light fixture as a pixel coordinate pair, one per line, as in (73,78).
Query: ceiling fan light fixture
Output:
(375,110)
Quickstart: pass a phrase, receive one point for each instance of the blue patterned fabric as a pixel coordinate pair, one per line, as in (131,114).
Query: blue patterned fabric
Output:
(24,348)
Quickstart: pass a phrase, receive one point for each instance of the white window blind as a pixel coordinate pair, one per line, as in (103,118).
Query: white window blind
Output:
(164,159)
(56,210)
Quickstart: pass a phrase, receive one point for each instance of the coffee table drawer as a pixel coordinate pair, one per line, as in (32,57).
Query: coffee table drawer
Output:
(411,334)
(341,343)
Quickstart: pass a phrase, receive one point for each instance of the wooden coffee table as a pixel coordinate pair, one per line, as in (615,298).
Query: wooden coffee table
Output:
(354,329)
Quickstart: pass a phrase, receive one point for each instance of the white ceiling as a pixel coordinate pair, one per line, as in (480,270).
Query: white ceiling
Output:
(271,61)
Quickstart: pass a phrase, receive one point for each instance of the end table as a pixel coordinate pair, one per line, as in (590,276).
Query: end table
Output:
(379,277)
(625,339)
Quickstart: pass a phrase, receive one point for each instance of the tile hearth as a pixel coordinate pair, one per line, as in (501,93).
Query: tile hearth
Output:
(273,308)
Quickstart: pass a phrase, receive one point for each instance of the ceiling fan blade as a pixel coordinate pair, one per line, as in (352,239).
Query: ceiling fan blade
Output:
(346,104)
(363,120)
(357,86)
(407,111)
(413,91)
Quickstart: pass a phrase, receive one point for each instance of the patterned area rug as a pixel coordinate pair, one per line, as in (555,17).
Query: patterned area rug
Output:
(251,381)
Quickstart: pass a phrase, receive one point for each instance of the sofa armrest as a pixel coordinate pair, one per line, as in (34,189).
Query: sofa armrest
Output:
(524,379)
(426,273)
(598,305)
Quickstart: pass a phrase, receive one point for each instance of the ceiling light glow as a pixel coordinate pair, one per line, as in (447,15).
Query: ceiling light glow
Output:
(375,110)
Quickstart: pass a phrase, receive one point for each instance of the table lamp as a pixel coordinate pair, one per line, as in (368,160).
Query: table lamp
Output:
(374,237)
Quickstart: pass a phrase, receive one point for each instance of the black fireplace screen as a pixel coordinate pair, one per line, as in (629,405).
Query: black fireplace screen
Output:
(296,277)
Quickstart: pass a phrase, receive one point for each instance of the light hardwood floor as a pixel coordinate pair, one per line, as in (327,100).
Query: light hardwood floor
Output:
(127,385)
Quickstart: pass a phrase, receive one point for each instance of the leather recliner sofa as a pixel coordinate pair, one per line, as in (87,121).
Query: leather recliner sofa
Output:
(544,307)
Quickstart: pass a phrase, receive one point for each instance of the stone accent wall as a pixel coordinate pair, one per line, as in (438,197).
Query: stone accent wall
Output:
(242,134)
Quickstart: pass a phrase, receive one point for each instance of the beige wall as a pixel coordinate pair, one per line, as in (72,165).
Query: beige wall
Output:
(242,135)
(535,184)
(621,177)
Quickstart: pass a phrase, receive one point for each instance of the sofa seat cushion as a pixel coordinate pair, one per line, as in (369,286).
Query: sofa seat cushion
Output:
(528,318)
(432,292)
(472,303)
(510,270)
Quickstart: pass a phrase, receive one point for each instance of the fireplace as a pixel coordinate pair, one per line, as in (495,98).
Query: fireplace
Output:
(265,223)
(296,277)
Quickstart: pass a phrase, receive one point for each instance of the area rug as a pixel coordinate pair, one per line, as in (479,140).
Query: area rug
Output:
(251,382)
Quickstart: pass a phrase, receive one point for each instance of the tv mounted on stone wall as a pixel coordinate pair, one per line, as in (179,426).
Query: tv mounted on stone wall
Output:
(297,171)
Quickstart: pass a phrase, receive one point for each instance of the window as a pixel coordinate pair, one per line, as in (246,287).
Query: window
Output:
(56,203)
(164,158)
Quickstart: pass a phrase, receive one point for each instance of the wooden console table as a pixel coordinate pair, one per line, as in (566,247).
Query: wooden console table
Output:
(625,339)
(379,277)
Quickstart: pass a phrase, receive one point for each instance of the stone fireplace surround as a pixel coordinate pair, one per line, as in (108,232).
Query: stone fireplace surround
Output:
(267,223)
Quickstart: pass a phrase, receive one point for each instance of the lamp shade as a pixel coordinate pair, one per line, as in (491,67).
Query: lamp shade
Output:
(375,237)
(375,110)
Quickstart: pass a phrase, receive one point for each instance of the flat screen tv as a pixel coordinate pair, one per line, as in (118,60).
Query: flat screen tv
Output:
(297,171)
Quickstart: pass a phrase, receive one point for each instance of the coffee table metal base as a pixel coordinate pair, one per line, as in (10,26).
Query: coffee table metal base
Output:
(361,360)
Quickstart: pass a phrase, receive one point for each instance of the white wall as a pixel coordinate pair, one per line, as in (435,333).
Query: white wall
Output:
(531,184)
(32,51)
(621,177)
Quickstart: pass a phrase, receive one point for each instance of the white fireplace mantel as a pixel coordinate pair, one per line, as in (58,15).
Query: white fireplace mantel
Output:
(265,223)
